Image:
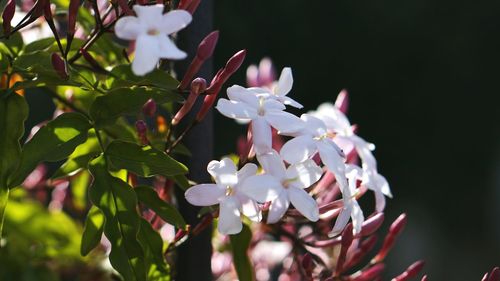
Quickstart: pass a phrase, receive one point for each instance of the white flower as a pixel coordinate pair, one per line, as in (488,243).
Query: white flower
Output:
(351,207)
(336,122)
(264,113)
(281,88)
(150,29)
(315,138)
(283,186)
(226,192)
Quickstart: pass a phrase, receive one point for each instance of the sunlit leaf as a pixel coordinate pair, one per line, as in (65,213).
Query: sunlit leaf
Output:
(143,160)
(122,76)
(53,142)
(92,231)
(152,244)
(164,210)
(117,200)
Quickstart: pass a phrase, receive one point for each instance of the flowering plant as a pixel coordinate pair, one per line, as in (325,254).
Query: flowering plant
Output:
(285,205)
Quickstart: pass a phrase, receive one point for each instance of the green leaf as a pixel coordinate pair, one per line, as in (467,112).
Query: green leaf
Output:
(39,45)
(92,230)
(109,107)
(239,244)
(152,244)
(143,160)
(167,212)
(118,202)
(122,76)
(13,44)
(80,158)
(53,142)
(79,187)
(181,181)
(13,113)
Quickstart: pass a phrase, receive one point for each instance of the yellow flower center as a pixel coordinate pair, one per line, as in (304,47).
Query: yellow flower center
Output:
(153,32)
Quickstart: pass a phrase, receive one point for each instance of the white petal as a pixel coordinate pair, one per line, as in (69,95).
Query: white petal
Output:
(250,169)
(364,152)
(147,54)
(224,172)
(238,93)
(379,201)
(298,149)
(305,173)
(314,125)
(174,21)
(250,208)
(204,194)
(334,162)
(278,207)
(261,135)
(290,102)
(304,203)
(129,28)
(357,217)
(236,110)
(168,50)
(334,119)
(272,164)
(150,15)
(229,216)
(285,82)
(271,104)
(284,122)
(261,188)
(341,221)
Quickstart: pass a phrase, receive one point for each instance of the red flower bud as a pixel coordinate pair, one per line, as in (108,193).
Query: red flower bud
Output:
(90,59)
(7,15)
(370,273)
(204,223)
(184,4)
(307,264)
(149,108)
(205,51)
(372,224)
(424,278)
(72,13)
(394,231)
(347,238)
(125,8)
(142,130)
(198,86)
(410,272)
(193,6)
(494,274)
(231,66)
(366,246)
(59,66)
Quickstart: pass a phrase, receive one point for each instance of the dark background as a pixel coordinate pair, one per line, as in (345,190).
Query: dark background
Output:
(423,78)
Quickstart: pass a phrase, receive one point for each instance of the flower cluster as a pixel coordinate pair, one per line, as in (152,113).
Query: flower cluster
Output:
(288,174)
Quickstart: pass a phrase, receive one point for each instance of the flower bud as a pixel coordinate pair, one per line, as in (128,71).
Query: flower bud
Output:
(424,278)
(410,272)
(267,74)
(231,66)
(366,246)
(124,6)
(90,59)
(193,6)
(72,13)
(494,274)
(252,76)
(59,66)
(370,273)
(203,224)
(394,231)
(142,130)
(198,86)
(347,238)
(205,51)
(184,4)
(372,224)
(342,101)
(149,108)
(307,264)
(7,15)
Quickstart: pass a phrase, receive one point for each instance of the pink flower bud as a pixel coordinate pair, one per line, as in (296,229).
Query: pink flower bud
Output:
(149,108)
(142,130)
(72,13)
(394,231)
(193,6)
(347,238)
(231,66)
(342,101)
(494,274)
(307,264)
(184,4)
(410,272)
(207,45)
(205,51)
(7,15)
(424,278)
(370,273)
(90,59)
(59,66)
(267,74)
(198,86)
(372,224)
(366,246)
(125,8)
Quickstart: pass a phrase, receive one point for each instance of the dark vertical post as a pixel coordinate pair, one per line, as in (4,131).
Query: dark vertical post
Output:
(194,256)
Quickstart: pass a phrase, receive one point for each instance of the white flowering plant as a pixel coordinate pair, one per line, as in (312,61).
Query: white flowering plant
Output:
(284,206)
